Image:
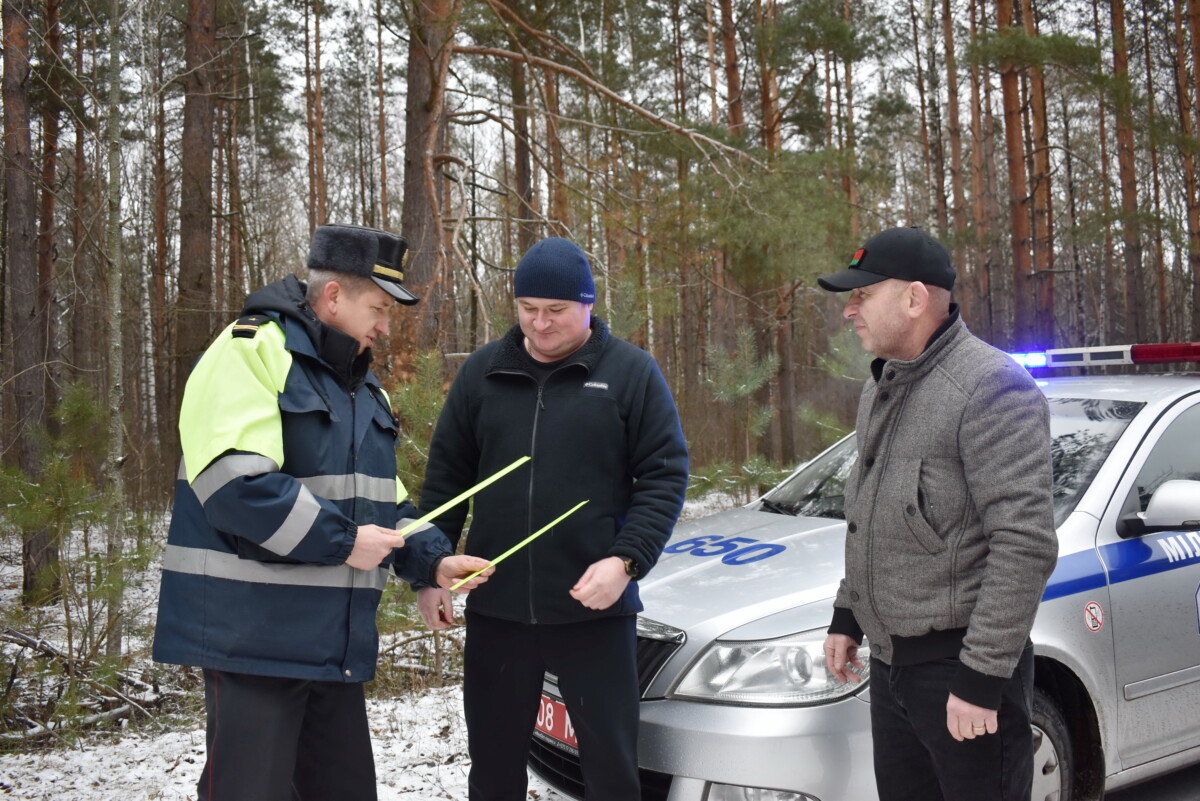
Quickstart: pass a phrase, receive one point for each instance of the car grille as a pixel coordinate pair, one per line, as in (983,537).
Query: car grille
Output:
(656,642)
(560,770)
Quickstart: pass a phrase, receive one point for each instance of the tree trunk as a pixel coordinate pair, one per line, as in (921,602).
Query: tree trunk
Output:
(849,173)
(115,537)
(1186,104)
(384,217)
(1023,334)
(522,159)
(322,191)
(934,189)
(432,30)
(1163,307)
(768,78)
(51,109)
(1194,255)
(958,211)
(39,551)
(710,36)
(195,319)
(1043,211)
(558,223)
(1110,322)
(981,190)
(733,81)
(310,126)
(168,434)
(1127,169)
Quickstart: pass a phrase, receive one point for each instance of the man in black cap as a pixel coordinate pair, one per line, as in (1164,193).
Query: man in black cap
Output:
(600,423)
(285,524)
(950,534)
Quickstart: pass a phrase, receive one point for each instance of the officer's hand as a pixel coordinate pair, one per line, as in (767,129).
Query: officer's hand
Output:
(372,546)
(601,584)
(841,652)
(436,607)
(452,569)
(967,721)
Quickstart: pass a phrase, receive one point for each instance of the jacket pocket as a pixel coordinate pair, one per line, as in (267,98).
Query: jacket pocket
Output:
(912,497)
(301,396)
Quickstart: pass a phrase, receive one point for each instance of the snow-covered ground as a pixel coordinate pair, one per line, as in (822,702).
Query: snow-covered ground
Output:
(419,740)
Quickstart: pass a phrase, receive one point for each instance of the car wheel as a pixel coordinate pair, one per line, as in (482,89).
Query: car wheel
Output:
(1052,769)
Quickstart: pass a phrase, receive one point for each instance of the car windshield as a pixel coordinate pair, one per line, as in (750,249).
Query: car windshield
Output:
(1083,431)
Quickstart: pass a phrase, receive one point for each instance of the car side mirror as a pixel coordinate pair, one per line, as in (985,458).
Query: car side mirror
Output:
(1175,506)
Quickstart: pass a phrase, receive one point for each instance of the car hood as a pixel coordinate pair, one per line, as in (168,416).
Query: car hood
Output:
(708,596)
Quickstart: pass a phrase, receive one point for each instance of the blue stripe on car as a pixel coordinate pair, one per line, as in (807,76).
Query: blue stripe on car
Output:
(1126,560)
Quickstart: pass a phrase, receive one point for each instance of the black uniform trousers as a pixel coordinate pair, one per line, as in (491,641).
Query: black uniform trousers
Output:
(274,739)
(916,759)
(596,665)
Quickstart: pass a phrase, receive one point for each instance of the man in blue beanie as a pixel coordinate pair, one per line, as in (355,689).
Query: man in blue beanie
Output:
(599,421)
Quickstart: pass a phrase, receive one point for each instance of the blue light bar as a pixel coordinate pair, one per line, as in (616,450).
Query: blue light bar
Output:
(1028,360)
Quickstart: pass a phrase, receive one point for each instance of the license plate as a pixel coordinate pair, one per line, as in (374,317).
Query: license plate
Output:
(554,724)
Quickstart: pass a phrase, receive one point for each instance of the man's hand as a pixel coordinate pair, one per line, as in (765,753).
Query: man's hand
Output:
(967,721)
(372,545)
(435,604)
(454,568)
(436,607)
(840,653)
(601,584)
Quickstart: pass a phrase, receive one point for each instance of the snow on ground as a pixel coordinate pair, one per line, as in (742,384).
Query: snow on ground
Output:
(419,742)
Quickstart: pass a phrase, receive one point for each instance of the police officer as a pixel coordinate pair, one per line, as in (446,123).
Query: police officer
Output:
(285,527)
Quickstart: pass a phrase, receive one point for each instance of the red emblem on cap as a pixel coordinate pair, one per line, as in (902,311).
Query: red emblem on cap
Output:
(858,254)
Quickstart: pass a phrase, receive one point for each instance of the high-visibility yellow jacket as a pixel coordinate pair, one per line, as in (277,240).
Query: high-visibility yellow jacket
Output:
(288,446)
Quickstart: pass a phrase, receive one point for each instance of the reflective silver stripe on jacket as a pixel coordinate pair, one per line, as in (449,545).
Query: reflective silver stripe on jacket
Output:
(352,485)
(203,562)
(299,521)
(226,469)
(408,521)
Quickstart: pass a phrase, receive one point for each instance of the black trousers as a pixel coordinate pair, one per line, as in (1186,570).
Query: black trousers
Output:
(273,739)
(916,759)
(596,665)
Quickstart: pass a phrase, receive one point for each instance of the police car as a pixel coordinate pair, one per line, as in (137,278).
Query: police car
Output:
(736,703)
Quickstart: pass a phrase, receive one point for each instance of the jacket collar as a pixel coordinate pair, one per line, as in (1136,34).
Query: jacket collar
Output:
(306,333)
(948,333)
(510,352)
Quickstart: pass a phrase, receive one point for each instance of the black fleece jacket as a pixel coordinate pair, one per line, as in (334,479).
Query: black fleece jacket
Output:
(602,428)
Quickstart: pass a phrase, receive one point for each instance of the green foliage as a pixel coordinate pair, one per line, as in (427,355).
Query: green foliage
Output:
(845,357)
(66,495)
(737,374)
(54,659)
(418,402)
(1016,47)
(821,427)
(748,480)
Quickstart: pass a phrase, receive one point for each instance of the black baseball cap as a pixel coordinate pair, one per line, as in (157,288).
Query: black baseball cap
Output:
(909,254)
(366,252)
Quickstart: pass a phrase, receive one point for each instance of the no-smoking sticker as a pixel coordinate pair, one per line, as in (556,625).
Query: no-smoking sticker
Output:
(1093,616)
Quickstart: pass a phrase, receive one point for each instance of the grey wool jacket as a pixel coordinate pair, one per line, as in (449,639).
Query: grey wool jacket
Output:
(949,512)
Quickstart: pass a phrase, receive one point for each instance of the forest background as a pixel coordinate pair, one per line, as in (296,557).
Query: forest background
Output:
(161,158)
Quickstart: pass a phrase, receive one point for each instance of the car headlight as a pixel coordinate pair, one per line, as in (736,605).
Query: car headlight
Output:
(788,671)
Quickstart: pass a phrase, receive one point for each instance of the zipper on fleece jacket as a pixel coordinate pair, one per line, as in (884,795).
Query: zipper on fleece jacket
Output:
(537,413)
(539,405)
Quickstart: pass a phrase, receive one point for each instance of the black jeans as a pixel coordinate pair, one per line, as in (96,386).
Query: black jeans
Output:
(596,665)
(273,739)
(916,759)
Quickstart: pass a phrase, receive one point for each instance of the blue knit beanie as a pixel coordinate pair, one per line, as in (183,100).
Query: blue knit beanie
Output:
(555,268)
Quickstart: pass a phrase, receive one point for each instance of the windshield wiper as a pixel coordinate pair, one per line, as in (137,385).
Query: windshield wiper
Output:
(777,508)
